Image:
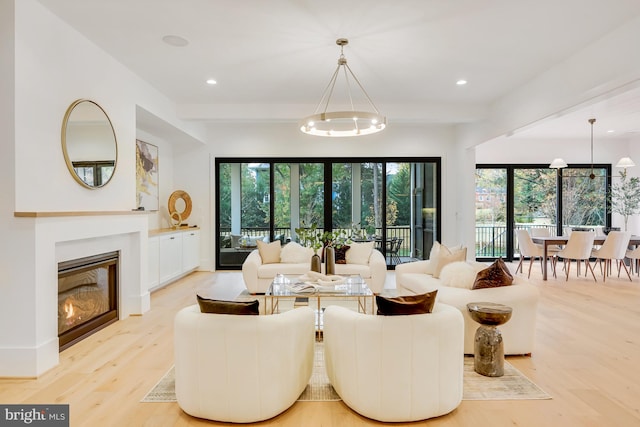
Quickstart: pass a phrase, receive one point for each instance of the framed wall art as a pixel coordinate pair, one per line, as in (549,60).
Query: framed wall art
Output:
(147,175)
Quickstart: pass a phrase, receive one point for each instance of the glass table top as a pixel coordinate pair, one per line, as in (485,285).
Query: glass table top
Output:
(296,285)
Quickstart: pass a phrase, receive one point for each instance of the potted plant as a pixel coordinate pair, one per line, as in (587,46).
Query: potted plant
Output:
(625,197)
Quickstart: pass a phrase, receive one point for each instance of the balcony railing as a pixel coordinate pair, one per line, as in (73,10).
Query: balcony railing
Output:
(491,240)
(400,232)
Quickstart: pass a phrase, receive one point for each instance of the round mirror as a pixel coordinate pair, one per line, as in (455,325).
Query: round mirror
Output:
(89,144)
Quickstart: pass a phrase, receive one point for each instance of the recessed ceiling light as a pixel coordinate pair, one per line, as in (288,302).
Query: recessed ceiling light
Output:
(461,82)
(610,131)
(211,82)
(174,40)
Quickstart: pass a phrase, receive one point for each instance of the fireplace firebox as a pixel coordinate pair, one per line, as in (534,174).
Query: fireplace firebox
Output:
(87,296)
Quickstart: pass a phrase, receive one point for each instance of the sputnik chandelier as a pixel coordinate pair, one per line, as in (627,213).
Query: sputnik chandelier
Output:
(347,122)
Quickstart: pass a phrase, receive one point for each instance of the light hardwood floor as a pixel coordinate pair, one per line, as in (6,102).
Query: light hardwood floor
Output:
(587,356)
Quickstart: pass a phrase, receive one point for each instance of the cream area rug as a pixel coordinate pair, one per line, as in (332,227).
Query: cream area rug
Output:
(513,385)
(318,389)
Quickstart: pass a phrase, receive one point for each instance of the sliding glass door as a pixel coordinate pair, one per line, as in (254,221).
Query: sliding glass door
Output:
(392,203)
(534,196)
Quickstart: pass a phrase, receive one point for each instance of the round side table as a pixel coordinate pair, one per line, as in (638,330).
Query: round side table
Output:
(488,345)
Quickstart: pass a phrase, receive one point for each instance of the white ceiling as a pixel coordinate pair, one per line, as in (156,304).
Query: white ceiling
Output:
(278,55)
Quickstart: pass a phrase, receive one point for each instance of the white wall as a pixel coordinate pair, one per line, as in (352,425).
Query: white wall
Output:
(194,167)
(44,66)
(55,65)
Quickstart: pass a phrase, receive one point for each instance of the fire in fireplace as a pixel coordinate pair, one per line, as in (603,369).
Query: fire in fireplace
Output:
(87,296)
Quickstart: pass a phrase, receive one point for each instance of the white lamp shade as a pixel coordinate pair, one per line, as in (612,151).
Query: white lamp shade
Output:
(625,162)
(558,164)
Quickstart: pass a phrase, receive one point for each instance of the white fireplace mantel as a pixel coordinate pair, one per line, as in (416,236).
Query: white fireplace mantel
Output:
(62,236)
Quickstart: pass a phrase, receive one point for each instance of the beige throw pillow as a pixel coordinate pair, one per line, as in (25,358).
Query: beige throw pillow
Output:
(269,252)
(446,256)
(359,253)
(433,258)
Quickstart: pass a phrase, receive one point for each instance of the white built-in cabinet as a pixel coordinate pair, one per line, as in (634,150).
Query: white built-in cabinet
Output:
(172,254)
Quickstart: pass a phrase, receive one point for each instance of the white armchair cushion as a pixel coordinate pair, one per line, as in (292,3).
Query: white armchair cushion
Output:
(359,253)
(293,253)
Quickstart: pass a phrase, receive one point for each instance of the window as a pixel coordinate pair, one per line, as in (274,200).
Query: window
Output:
(94,174)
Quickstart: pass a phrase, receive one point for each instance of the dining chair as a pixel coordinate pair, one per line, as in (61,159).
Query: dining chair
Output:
(614,248)
(634,256)
(578,248)
(531,250)
(394,250)
(543,232)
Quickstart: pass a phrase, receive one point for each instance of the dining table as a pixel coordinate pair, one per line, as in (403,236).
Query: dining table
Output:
(562,240)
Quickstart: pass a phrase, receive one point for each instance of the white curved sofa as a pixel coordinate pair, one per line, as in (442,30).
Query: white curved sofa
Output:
(395,368)
(258,276)
(242,369)
(454,288)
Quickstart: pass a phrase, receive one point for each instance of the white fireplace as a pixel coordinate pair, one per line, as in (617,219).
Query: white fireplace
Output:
(60,237)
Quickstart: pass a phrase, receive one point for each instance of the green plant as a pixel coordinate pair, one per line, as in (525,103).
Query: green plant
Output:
(625,197)
(316,238)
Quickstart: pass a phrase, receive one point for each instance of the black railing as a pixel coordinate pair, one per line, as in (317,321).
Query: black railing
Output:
(284,234)
(491,240)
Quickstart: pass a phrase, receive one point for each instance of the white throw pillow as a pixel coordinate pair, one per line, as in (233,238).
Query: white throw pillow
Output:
(359,253)
(295,253)
(459,274)
(269,252)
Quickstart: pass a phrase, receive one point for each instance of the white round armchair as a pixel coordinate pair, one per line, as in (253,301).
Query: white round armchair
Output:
(395,368)
(242,369)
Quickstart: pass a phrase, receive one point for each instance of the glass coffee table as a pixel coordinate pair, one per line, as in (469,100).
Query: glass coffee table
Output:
(288,287)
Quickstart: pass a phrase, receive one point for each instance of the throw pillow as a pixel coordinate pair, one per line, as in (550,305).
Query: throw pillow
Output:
(269,252)
(497,274)
(433,258)
(446,256)
(459,274)
(295,253)
(341,254)
(358,253)
(410,304)
(228,307)
(504,267)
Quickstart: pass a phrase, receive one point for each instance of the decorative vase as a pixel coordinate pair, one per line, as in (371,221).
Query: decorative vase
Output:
(329,260)
(315,263)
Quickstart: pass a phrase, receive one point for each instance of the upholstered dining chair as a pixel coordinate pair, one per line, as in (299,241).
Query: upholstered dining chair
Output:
(543,232)
(578,248)
(530,250)
(634,256)
(614,248)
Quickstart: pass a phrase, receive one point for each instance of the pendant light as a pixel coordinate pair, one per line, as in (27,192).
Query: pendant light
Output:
(324,122)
